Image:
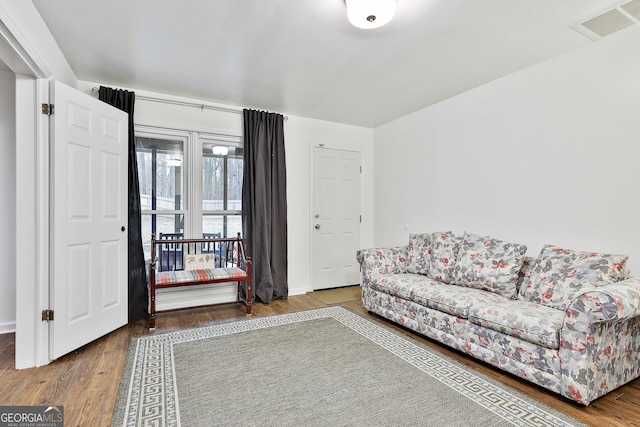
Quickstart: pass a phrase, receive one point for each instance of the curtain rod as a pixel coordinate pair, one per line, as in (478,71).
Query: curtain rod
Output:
(235,110)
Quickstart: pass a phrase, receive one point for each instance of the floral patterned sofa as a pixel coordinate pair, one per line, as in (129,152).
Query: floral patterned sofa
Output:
(568,321)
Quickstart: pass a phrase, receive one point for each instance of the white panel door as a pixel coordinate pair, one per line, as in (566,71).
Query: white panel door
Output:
(89,216)
(336,217)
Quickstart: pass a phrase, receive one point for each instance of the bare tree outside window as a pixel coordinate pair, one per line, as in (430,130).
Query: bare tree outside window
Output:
(222,192)
(160,165)
(164,160)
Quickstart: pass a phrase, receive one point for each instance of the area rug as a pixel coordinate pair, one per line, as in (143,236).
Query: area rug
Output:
(324,367)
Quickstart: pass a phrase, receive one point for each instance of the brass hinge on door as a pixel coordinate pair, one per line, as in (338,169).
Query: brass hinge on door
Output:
(47,315)
(47,109)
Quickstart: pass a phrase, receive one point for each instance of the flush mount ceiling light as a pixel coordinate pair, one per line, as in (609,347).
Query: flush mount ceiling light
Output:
(368,14)
(174,162)
(220,151)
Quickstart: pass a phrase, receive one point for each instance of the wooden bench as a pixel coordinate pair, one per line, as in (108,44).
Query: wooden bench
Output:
(187,262)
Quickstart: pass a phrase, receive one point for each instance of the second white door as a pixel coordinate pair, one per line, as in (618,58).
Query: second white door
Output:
(89,151)
(335,217)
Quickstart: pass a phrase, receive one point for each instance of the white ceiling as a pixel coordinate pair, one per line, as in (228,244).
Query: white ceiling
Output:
(303,58)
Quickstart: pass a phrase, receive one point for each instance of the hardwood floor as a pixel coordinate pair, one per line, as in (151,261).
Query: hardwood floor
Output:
(86,381)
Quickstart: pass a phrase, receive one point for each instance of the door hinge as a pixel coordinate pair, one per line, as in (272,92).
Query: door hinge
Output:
(47,109)
(360,218)
(47,315)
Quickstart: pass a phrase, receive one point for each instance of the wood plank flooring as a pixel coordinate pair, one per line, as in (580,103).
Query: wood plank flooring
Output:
(86,381)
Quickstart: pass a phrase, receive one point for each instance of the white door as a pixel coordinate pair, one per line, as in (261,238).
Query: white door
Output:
(88,292)
(336,217)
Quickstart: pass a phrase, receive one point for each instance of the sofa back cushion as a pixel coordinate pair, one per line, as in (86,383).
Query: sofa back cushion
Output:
(433,254)
(489,264)
(443,252)
(418,253)
(558,275)
(525,273)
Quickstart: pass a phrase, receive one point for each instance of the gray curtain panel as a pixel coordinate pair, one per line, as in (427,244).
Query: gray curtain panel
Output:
(138,295)
(264,203)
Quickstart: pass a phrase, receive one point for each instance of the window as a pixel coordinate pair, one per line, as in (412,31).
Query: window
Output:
(221,189)
(160,172)
(177,169)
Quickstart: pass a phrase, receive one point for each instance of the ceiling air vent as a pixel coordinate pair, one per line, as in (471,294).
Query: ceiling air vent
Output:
(610,21)
(632,8)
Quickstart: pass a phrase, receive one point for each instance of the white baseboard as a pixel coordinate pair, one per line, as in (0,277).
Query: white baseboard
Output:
(7,327)
(298,290)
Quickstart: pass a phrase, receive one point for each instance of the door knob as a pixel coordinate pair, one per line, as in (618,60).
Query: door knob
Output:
(317,227)
(123,228)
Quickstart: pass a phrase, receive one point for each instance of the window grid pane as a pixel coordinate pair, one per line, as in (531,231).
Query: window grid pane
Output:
(225,225)
(221,191)
(164,224)
(160,170)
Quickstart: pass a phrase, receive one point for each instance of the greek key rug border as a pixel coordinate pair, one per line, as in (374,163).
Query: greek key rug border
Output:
(153,398)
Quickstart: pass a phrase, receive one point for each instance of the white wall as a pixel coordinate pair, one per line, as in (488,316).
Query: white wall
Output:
(38,47)
(549,154)
(300,135)
(8,198)
(28,48)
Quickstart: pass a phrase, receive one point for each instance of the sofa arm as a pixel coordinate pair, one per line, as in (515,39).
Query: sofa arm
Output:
(382,260)
(600,340)
(614,302)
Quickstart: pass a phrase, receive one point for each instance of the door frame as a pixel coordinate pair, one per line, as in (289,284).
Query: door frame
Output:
(311,197)
(32,195)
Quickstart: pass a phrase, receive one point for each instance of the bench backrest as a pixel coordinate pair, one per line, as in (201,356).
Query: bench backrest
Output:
(172,254)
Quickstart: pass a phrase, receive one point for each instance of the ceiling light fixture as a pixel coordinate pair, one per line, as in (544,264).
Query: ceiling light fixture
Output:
(174,162)
(368,14)
(220,151)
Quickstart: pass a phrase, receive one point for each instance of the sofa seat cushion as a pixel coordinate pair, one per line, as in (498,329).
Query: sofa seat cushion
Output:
(559,275)
(451,299)
(399,285)
(531,322)
(489,264)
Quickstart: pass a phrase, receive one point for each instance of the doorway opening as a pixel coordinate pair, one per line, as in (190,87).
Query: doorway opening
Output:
(8,196)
